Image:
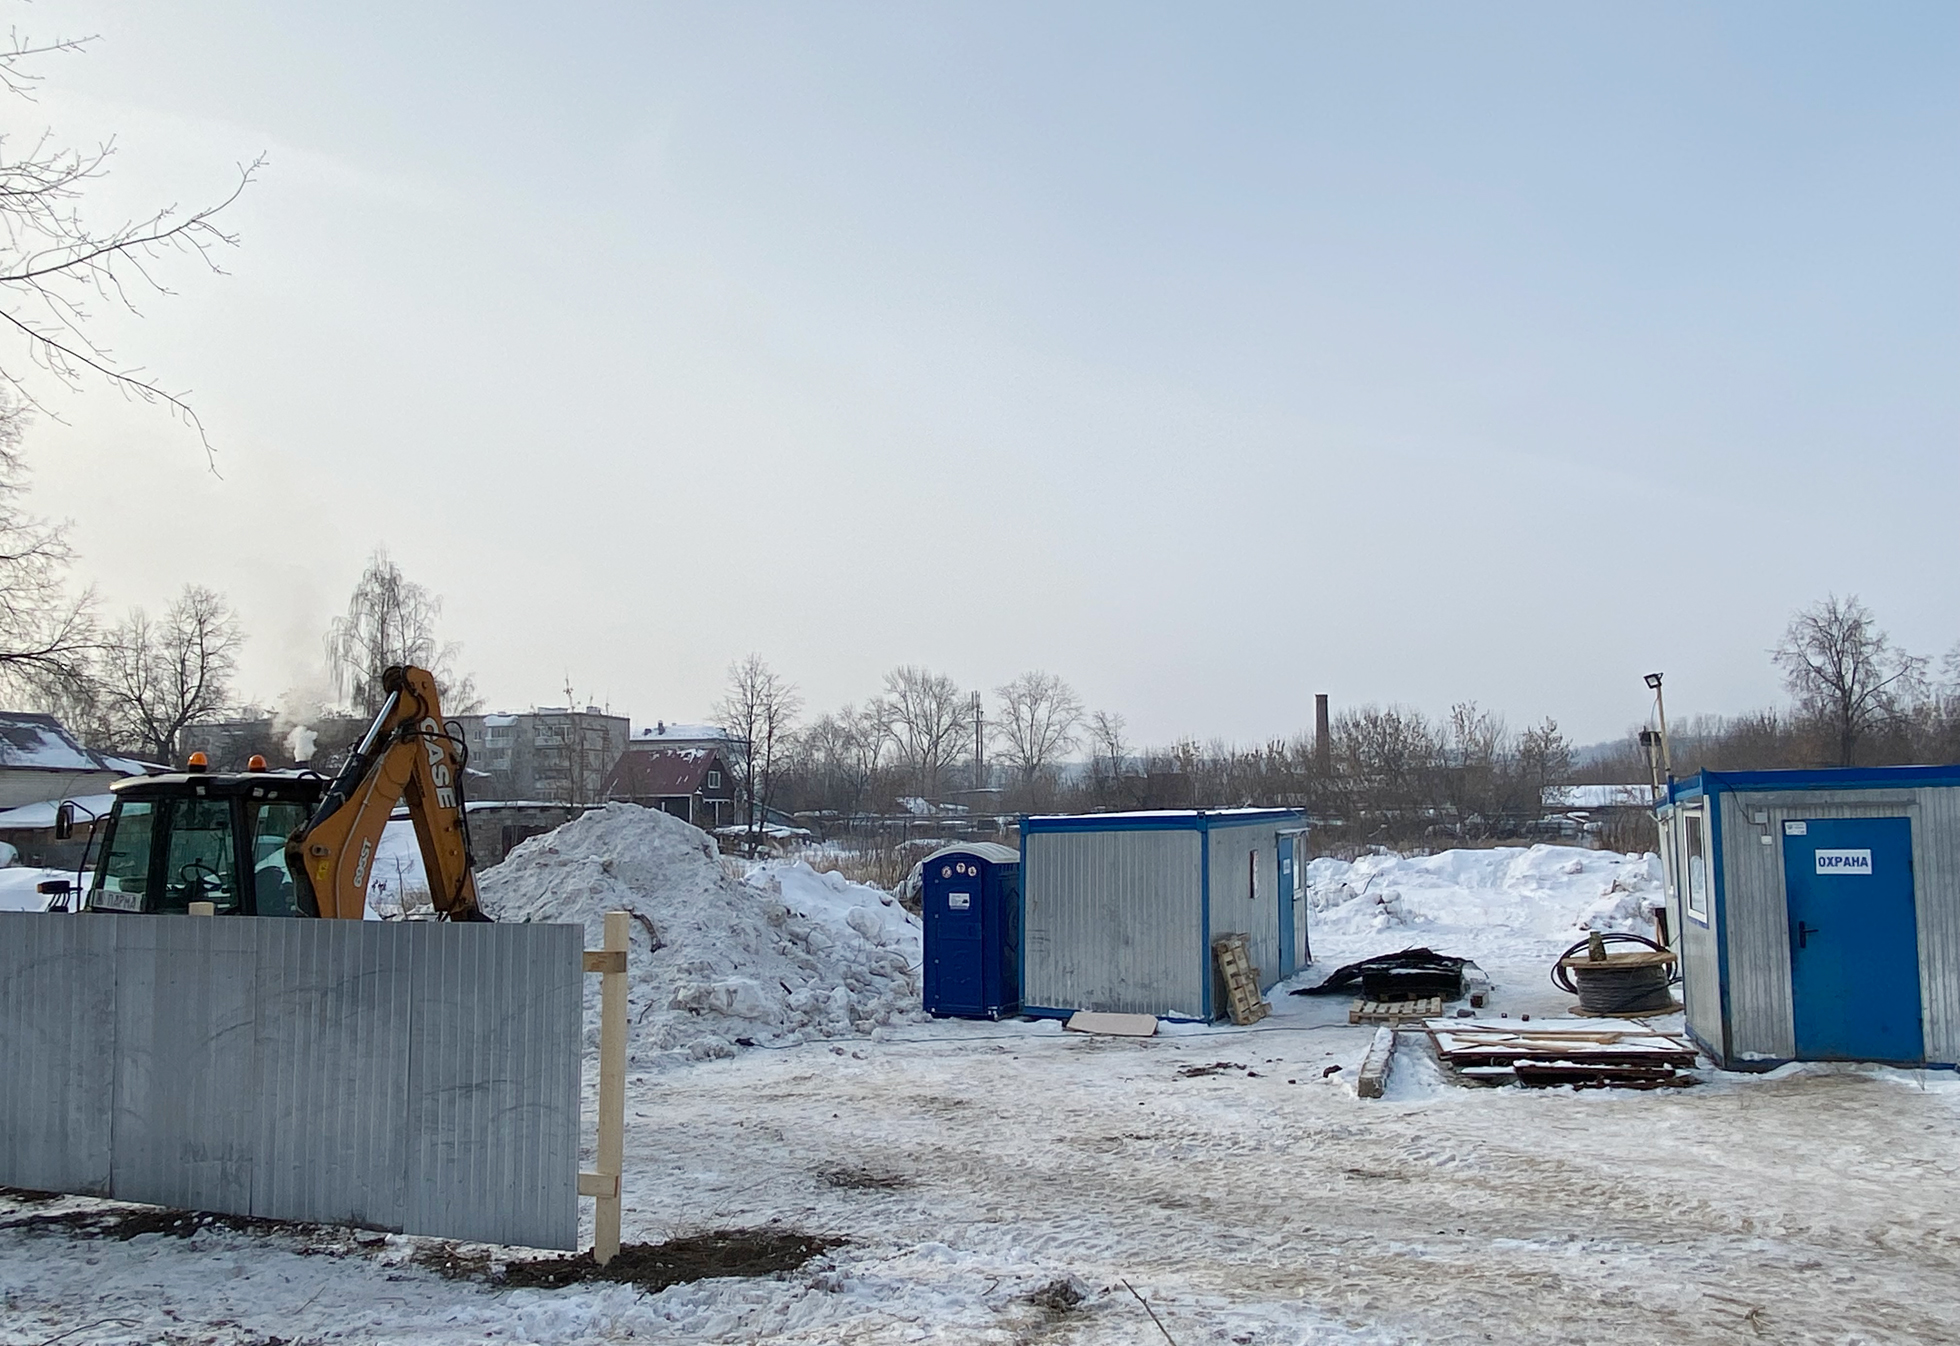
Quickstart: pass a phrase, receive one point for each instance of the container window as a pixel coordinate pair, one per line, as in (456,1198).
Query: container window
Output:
(1697,866)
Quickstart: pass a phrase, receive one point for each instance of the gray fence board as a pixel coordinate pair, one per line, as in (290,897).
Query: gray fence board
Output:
(57,1029)
(334,1007)
(414,1077)
(185,1000)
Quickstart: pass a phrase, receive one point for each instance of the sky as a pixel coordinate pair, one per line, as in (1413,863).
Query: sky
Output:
(1210,357)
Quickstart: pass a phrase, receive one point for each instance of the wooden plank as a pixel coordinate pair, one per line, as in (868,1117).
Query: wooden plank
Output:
(599,1184)
(1374,1066)
(612,1087)
(1117,1025)
(605,960)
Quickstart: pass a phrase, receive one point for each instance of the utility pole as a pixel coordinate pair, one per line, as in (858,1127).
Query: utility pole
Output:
(1660,709)
(979,745)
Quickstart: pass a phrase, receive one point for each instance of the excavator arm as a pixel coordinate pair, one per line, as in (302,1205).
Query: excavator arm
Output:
(408,754)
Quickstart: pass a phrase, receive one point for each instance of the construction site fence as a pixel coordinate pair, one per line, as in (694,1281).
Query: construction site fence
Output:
(416,1077)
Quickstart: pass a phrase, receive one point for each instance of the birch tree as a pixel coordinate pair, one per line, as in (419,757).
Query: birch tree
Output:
(391,620)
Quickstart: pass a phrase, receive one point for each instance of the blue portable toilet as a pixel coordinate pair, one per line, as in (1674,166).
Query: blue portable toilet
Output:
(972,896)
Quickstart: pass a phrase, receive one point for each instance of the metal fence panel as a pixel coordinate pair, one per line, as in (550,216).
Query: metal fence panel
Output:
(334,1005)
(493,1089)
(185,1110)
(416,1077)
(57,1045)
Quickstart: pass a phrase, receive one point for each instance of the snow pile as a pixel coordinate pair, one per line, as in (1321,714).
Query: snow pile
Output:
(784,955)
(1495,904)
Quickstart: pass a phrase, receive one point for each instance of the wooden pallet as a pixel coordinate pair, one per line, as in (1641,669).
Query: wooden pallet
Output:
(1232,954)
(1587,1054)
(1394,1011)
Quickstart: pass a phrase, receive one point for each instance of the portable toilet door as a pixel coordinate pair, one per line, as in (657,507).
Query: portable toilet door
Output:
(972,935)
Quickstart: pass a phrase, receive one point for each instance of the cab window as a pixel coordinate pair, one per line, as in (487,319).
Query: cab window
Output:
(272,882)
(202,863)
(124,871)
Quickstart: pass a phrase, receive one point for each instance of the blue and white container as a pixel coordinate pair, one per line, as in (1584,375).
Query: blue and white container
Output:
(1818,913)
(1122,908)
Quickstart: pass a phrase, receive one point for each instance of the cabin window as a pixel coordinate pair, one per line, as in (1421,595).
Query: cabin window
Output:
(201,863)
(272,882)
(126,864)
(1697,866)
(714,780)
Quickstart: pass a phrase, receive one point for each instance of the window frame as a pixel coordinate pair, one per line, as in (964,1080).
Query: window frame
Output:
(1695,848)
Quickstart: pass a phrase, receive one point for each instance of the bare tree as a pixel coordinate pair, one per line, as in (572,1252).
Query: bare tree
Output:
(392,620)
(1544,759)
(841,754)
(47,633)
(1039,719)
(759,712)
(158,678)
(1108,751)
(1845,671)
(54,264)
(930,719)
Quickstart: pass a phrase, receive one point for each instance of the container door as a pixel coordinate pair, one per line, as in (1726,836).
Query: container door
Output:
(1854,939)
(1288,956)
(954,943)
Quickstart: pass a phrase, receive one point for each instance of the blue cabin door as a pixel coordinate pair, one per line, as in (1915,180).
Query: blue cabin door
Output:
(1854,939)
(953,960)
(1288,958)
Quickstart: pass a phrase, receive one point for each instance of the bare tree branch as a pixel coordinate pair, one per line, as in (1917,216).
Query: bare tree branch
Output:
(52,261)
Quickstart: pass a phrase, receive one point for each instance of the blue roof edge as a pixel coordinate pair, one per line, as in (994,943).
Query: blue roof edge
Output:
(1814,778)
(1194,820)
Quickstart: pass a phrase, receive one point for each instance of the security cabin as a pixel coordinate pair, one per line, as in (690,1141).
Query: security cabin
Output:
(1818,913)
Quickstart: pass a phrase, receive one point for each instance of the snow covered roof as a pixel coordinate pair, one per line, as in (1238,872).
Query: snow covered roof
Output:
(662,732)
(40,742)
(661,773)
(35,816)
(991,851)
(1598,796)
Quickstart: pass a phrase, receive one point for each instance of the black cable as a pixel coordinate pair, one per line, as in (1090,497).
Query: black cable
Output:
(1609,989)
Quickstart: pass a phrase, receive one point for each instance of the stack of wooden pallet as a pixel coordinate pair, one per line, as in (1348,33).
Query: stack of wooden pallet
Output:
(1233,956)
(1584,1053)
(1395,1011)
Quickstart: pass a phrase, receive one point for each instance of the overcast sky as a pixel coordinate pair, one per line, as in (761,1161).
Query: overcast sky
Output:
(1208,356)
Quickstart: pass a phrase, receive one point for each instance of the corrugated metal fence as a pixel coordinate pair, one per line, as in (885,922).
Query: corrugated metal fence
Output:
(416,1077)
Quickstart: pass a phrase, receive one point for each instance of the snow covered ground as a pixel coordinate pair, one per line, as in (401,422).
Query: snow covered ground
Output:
(1239,1188)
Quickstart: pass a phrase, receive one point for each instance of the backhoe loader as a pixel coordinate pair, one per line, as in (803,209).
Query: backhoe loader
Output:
(293,843)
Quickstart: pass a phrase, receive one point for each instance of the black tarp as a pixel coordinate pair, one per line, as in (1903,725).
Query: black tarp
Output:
(1412,974)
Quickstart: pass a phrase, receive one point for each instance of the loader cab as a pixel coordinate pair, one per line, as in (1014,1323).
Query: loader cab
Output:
(203,836)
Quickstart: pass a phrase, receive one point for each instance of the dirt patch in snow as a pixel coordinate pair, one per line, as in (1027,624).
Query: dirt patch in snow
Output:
(853,1179)
(123,1223)
(655,1266)
(781,955)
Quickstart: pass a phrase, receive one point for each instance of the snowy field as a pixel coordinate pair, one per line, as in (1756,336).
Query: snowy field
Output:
(984,1176)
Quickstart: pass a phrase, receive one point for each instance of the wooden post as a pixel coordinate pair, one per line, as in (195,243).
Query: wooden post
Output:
(612,1088)
(203,909)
